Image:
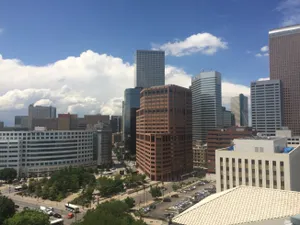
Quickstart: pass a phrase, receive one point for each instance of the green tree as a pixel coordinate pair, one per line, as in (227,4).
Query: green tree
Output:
(8,174)
(108,187)
(24,186)
(28,217)
(38,190)
(130,202)
(32,186)
(7,208)
(113,212)
(175,186)
(45,192)
(155,192)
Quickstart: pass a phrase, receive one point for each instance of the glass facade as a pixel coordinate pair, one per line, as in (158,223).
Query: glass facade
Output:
(207,103)
(131,101)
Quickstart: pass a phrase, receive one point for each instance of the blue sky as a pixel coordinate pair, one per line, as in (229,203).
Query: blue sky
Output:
(39,33)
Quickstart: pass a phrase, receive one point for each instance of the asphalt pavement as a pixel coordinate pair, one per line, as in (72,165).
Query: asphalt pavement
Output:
(161,208)
(34,203)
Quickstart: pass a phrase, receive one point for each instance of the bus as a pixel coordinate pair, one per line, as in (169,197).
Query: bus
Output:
(18,188)
(57,222)
(72,208)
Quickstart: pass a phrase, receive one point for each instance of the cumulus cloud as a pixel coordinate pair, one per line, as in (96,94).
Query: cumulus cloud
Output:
(88,84)
(204,43)
(264,51)
(290,10)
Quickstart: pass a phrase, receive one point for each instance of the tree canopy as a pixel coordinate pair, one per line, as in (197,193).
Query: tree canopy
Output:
(175,186)
(28,217)
(61,183)
(113,212)
(130,202)
(8,174)
(7,208)
(108,187)
(155,192)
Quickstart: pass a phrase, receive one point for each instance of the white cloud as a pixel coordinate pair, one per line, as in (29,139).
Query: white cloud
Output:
(90,83)
(204,43)
(264,49)
(290,10)
(43,102)
(264,78)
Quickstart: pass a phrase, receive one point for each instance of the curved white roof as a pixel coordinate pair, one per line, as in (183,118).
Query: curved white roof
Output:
(243,204)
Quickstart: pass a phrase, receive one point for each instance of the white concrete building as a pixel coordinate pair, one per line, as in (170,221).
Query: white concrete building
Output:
(42,152)
(260,162)
(292,141)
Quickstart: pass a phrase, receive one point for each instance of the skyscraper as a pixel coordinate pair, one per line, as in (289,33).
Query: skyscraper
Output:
(149,68)
(40,112)
(227,118)
(239,107)
(207,103)
(131,104)
(266,106)
(103,138)
(284,47)
(116,124)
(164,132)
(21,121)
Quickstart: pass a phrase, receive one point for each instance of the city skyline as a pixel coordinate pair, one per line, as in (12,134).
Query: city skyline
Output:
(88,67)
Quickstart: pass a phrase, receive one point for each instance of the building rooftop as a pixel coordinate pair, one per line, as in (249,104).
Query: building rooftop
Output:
(286,29)
(242,205)
(260,138)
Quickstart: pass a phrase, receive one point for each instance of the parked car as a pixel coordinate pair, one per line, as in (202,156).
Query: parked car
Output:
(17,206)
(56,215)
(167,200)
(70,215)
(175,196)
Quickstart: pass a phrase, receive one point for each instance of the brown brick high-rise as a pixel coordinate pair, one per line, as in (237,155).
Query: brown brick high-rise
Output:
(164,132)
(284,47)
(222,138)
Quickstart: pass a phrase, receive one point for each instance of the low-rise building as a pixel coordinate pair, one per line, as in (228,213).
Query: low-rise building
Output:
(260,162)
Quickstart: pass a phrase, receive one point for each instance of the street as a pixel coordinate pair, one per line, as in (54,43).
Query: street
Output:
(34,203)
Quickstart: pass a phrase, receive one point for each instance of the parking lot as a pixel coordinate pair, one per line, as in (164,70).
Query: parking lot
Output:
(182,200)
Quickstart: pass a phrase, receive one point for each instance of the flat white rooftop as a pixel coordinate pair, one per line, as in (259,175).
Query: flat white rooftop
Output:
(285,29)
(241,205)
